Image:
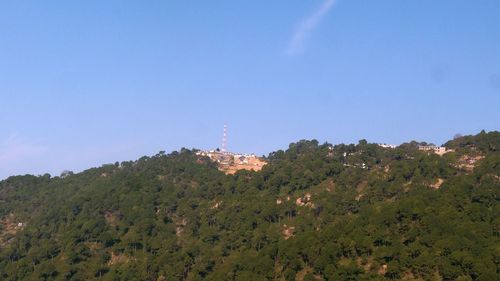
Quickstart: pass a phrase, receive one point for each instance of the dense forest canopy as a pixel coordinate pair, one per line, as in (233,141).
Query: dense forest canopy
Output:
(314,212)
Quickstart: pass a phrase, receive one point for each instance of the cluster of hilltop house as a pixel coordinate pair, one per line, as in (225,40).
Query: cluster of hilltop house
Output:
(230,162)
(440,150)
(384,145)
(227,157)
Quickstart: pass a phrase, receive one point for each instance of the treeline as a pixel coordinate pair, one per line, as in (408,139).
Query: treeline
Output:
(315,212)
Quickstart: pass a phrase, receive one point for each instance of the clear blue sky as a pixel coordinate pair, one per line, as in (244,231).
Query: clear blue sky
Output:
(84,83)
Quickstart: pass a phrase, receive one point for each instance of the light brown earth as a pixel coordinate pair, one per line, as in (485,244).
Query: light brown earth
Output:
(302,274)
(118,258)
(382,270)
(254,164)
(287,231)
(305,201)
(9,227)
(365,264)
(180,224)
(468,162)
(441,153)
(437,184)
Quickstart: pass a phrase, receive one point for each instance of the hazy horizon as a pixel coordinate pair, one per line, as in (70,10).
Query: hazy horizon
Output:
(81,169)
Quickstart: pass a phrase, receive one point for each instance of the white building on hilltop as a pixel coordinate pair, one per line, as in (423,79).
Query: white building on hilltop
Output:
(440,150)
(384,145)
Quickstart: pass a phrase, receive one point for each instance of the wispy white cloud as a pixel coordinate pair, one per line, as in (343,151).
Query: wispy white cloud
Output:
(296,44)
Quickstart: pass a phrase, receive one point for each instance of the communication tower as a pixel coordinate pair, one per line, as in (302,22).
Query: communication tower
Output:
(224,139)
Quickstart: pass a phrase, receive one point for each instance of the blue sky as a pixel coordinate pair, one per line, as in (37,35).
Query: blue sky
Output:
(84,83)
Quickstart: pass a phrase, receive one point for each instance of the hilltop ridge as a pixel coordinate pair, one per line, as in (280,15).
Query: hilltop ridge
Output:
(313,212)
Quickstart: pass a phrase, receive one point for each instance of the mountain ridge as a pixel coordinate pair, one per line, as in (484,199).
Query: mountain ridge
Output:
(177,217)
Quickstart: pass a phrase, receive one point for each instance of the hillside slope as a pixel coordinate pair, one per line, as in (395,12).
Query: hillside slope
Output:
(315,212)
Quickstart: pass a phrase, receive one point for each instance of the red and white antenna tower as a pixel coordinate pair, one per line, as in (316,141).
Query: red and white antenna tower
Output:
(224,139)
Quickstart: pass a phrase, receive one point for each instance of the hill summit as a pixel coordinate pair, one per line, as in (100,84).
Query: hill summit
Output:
(314,212)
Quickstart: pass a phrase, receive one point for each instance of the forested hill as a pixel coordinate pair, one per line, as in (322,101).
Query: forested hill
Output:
(314,212)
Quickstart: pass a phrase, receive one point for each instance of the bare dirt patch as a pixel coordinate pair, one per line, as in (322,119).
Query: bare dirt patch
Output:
(305,201)
(181,223)
(216,205)
(288,231)
(252,164)
(360,188)
(230,163)
(306,270)
(469,162)
(10,226)
(366,264)
(112,217)
(328,185)
(437,184)
(118,258)
(382,270)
